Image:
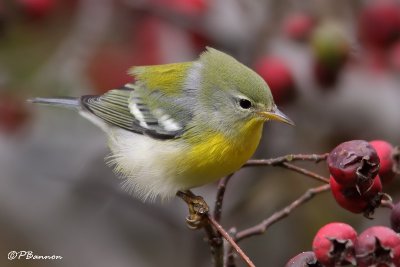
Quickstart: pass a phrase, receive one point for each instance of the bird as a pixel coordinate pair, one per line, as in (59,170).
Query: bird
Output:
(181,125)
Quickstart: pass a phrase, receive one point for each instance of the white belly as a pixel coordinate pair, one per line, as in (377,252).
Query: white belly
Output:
(143,164)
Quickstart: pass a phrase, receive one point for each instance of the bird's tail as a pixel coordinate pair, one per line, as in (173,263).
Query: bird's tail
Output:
(66,102)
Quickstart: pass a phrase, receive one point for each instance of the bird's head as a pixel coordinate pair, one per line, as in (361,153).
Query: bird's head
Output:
(235,93)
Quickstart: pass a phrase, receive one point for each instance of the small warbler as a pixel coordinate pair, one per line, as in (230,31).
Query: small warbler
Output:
(180,125)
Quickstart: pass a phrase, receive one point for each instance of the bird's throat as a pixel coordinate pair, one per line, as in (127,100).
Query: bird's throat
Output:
(219,155)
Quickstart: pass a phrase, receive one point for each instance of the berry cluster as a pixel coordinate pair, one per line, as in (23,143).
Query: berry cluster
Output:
(337,244)
(358,169)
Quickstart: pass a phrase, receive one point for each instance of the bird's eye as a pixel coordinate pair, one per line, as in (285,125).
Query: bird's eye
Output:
(244,103)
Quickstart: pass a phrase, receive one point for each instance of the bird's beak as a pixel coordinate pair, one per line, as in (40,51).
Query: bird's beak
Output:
(277,115)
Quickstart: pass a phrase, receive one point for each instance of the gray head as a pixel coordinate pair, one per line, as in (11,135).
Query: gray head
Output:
(234,93)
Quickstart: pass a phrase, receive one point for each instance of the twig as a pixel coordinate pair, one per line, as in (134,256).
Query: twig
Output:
(198,218)
(218,208)
(284,162)
(230,256)
(220,197)
(305,172)
(288,158)
(230,240)
(216,245)
(264,225)
(214,230)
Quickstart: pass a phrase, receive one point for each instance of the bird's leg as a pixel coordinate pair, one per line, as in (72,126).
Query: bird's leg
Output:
(198,208)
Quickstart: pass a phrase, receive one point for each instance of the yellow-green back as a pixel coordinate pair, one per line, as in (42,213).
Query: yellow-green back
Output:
(168,78)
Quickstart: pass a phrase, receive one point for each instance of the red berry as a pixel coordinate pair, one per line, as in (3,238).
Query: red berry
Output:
(304,259)
(395,218)
(379,24)
(278,77)
(298,26)
(378,246)
(351,198)
(37,9)
(353,163)
(385,154)
(333,244)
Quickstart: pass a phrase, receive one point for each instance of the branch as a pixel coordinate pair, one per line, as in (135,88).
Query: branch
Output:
(305,172)
(284,162)
(198,218)
(216,245)
(288,158)
(228,238)
(220,197)
(264,225)
(214,230)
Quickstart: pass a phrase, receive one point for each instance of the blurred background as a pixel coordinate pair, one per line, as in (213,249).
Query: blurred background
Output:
(333,67)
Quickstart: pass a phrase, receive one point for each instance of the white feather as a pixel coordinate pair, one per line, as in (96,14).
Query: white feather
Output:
(138,114)
(170,124)
(145,164)
(166,121)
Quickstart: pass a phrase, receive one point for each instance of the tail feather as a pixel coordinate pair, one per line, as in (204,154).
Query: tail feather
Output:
(68,102)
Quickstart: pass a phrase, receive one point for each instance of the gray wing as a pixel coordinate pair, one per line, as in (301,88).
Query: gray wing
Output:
(126,108)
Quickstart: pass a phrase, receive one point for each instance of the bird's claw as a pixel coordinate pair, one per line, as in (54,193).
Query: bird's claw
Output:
(198,209)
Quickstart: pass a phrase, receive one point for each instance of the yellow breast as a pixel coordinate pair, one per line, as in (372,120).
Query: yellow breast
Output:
(218,155)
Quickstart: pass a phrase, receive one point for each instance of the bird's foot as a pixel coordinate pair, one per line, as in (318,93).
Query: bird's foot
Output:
(198,209)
